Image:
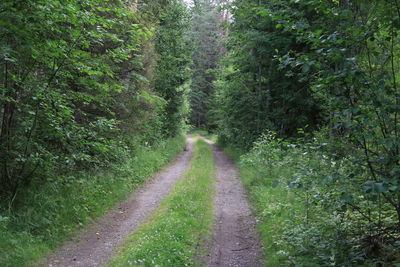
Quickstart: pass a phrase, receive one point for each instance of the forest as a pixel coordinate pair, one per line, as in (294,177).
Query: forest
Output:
(97,96)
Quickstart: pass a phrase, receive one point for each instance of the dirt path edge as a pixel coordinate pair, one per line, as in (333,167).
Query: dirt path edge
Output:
(96,244)
(235,241)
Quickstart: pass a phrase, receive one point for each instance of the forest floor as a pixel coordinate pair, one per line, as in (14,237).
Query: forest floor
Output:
(234,242)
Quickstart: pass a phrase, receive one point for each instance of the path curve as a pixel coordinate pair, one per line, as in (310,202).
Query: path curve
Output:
(235,240)
(94,245)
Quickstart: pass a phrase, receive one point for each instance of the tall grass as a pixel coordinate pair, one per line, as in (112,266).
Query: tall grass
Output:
(182,223)
(50,213)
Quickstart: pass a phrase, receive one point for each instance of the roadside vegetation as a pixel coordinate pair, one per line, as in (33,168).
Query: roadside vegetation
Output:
(176,234)
(308,92)
(92,102)
(309,213)
(50,214)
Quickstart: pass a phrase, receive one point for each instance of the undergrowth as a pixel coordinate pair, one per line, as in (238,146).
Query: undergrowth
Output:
(311,209)
(182,223)
(50,213)
(274,208)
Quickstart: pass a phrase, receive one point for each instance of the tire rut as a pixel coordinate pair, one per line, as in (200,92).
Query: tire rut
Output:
(97,243)
(235,240)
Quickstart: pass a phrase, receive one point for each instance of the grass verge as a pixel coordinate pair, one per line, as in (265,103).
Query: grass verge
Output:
(49,214)
(316,207)
(182,223)
(275,206)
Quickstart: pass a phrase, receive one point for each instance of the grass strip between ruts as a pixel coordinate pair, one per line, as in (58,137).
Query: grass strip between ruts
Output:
(182,223)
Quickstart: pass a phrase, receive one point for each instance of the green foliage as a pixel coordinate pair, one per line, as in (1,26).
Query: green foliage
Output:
(172,237)
(314,210)
(172,71)
(331,68)
(82,92)
(206,34)
(50,213)
(62,67)
(254,93)
(78,81)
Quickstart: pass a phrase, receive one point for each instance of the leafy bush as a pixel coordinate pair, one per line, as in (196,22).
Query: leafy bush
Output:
(317,207)
(81,84)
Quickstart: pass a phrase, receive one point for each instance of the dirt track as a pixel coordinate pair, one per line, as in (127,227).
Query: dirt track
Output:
(235,240)
(94,245)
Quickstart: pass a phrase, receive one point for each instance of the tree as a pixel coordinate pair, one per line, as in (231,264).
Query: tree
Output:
(172,72)
(330,67)
(74,93)
(271,97)
(207,37)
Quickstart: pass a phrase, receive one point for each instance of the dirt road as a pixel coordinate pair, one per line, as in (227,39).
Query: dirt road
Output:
(94,245)
(235,240)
